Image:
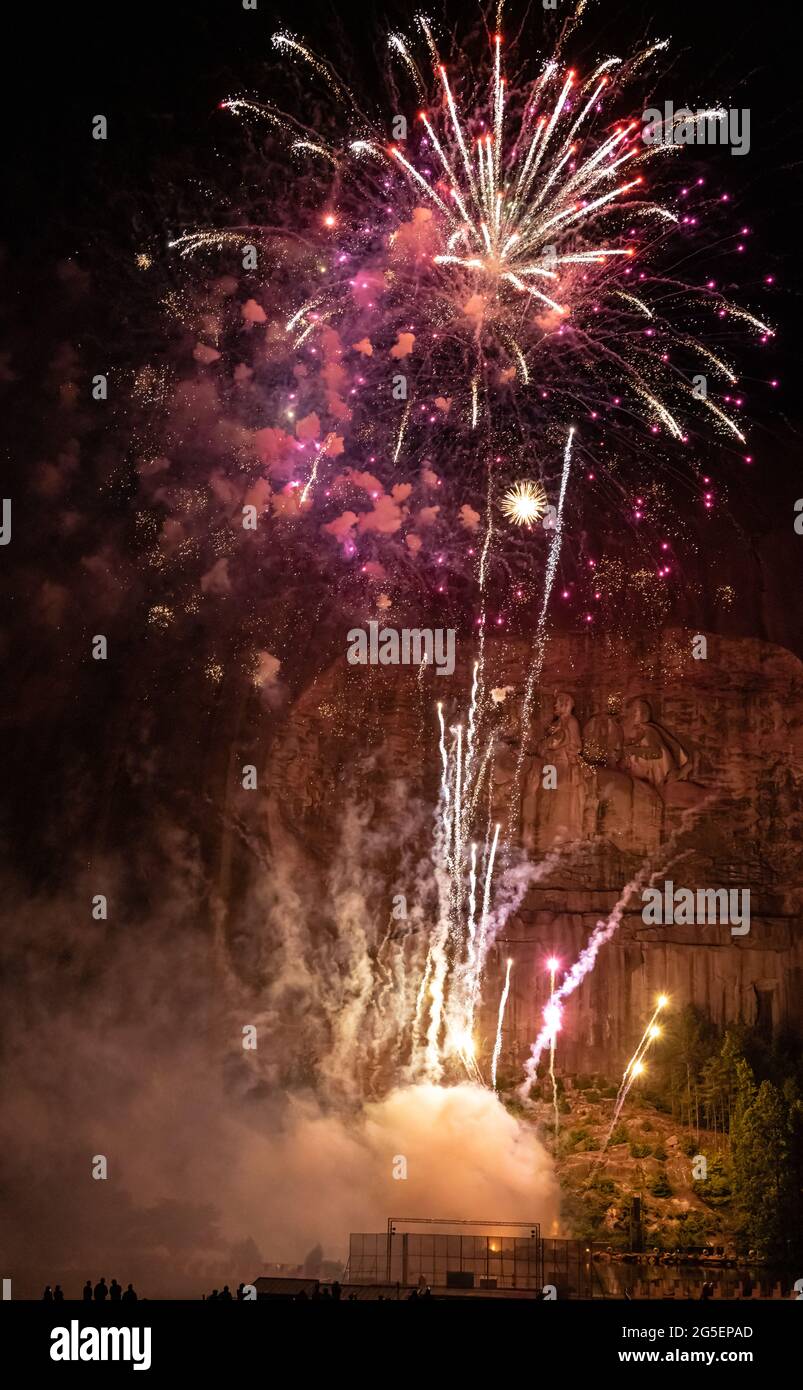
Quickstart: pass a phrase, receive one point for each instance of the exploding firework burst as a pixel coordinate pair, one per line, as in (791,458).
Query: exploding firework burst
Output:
(515,221)
(510,260)
(525,503)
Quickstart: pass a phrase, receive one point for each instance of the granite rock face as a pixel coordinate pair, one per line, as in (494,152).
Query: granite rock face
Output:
(687,768)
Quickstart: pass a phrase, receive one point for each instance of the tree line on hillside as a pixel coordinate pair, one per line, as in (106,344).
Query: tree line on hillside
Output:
(739,1097)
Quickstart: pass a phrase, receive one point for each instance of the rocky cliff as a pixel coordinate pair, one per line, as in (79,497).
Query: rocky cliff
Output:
(680,758)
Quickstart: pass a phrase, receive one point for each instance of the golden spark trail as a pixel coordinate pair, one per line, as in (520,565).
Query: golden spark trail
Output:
(314,474)
(314,149)
(711,357)
(538,641)
(661,410)
(472,904)
(720,414)
(445,794)
(735,312)
(286,41)
(458,132)
(472,713)
(553,966)
(634,1068)
(481,774)
(639,303)
(419,1003)
(498,1044)
(397,44)
(483,936)
(434,1065)
(299,314)
(427,32)
(457,862)
(498,105)
(419,179)
(648,1036)
(402,428)
(438,960)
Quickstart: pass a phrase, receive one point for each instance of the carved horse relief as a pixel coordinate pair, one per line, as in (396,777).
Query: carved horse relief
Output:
(614,780)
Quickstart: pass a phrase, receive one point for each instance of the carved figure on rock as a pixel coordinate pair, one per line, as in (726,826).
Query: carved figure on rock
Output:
(619,806)
(651,754)
(603,739)
(552,807)
(623,809)
(620,780)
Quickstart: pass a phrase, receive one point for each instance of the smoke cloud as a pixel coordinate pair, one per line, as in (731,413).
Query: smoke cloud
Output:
(127,1043)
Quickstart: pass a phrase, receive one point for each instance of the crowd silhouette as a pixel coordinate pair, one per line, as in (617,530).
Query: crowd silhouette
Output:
(98,1294)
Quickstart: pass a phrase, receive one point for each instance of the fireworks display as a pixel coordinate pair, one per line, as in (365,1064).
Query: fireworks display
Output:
(525,503)
(502,258)
(455,298)
(434,360)
(635,1066)
(495,285)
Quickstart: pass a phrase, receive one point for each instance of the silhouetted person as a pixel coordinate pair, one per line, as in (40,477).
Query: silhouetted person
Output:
(101,1291)
(301,1296)
(707,1291)
(88,1291)
(227,1294)
(240,1293)
(115,1291)
(412,1296)
(326,1294)
(427,1292)
(213,1294)
(337,1289)
(58,1294)
(130,1295)
(47,1296)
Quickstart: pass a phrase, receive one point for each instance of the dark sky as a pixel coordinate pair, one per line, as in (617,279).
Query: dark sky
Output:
(158,70)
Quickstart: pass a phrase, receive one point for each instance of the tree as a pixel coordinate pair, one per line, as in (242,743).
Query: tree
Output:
(690,1041)
(716,1189)
(659,1185)
(763,1140)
